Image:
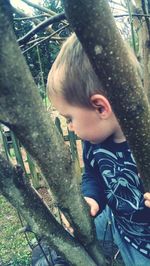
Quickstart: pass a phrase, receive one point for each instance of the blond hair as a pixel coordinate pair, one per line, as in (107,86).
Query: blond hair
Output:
(72,75)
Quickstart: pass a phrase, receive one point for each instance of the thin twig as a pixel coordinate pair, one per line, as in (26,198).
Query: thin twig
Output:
(132,14)
(45,39)
(33,17)
(40,27)
(41,8)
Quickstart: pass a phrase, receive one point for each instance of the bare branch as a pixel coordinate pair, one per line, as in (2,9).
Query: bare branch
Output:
(31,18)
(132,14)
(23,14)
(45,39)
(40,27)
(18,12)
(41,8)
(117,4)
(35,19)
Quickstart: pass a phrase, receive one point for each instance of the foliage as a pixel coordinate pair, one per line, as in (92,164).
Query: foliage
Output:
(54,5)
(41,61)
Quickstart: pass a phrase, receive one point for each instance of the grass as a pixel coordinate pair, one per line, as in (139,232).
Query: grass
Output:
(14,250)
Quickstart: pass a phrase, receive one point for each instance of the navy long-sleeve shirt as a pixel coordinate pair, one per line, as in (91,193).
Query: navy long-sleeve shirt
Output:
(110,177)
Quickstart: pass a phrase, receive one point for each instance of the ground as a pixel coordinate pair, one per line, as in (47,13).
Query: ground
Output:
(14,250)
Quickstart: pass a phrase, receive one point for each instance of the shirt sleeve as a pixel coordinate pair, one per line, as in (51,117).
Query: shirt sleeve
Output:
(92,183)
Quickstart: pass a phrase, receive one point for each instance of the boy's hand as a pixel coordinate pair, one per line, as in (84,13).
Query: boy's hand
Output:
(147,199)
(94,207)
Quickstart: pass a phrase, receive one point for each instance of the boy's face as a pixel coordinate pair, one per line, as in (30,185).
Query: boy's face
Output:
(88,124)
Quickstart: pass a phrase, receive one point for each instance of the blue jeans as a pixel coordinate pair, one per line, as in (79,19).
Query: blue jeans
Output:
(107,232)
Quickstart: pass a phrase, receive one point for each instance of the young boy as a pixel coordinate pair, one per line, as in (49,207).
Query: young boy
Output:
(111,185)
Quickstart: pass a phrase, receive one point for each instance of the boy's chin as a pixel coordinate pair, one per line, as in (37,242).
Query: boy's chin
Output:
(94,141)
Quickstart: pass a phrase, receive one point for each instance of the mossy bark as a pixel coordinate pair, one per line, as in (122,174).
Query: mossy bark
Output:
(111,59)
(18,191)
(141,28)
(21,109)
(2,150)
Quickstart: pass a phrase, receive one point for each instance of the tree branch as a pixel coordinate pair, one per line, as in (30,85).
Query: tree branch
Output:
(40,27)
(146,19)
(45,39)
(26,16)
(23,14)
(15,187)
(22,109)
(133,15)
(18,12)
(41,8)
(31,18)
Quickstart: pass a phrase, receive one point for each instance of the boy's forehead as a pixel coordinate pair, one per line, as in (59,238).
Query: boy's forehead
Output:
(59,103)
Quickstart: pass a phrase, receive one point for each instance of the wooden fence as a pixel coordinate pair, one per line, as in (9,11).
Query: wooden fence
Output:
(15,153)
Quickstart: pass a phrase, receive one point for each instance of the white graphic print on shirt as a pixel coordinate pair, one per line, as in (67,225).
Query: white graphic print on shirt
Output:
(124,195)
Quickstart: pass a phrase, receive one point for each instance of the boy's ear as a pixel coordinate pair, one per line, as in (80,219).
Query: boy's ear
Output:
(101,104)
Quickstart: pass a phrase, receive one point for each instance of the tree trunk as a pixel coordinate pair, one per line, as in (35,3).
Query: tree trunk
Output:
(25,199)
(144,46)
(114,66)
(2,150)
(21,109)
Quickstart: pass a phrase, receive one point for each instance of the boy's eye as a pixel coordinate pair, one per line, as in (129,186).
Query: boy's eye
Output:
(68,120)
